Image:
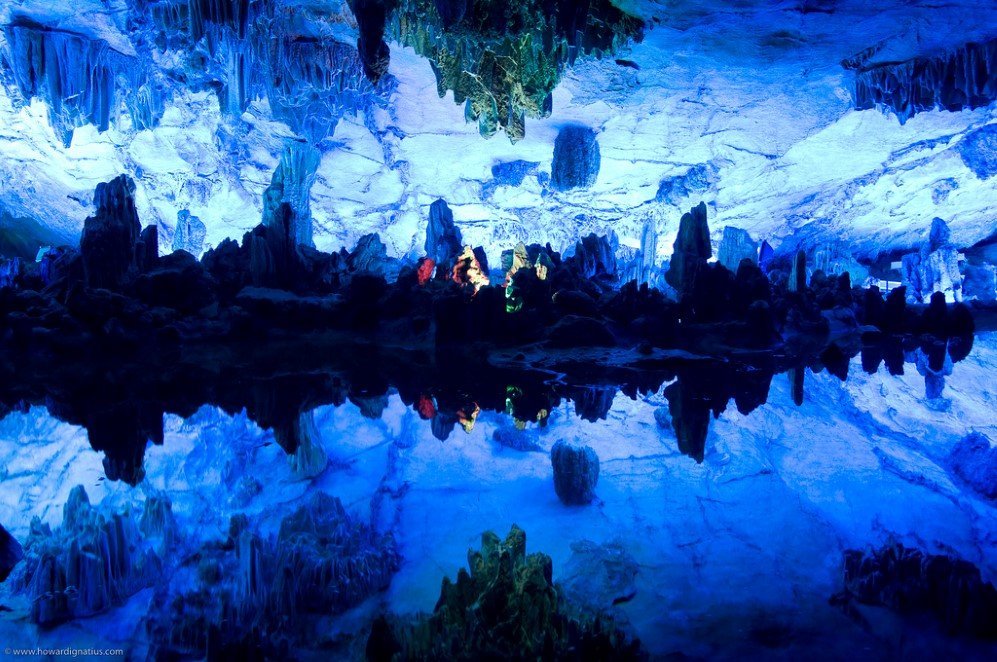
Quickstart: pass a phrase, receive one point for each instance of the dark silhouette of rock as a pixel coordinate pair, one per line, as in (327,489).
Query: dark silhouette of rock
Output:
(107,245)
(576,472)
(576,158)
(11,553)
(691,250)
(974,459)
(372,16)
(575,331)
(914,583)
(179,282)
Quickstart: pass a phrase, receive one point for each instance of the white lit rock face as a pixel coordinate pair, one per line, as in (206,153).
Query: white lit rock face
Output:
(750,110)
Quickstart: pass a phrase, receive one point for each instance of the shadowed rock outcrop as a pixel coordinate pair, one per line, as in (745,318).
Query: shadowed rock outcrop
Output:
(248,593)
(443,239)
(110,235)
(690,251)
(914,583)
(736,245)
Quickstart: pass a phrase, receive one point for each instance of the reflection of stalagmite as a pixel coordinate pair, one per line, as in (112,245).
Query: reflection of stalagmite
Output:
(796,376)
(690,418)
(301,440)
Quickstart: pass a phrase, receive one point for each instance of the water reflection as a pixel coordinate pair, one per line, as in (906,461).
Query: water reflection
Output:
(121,405)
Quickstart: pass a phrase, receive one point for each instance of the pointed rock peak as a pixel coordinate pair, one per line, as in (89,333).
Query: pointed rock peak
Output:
(691,249)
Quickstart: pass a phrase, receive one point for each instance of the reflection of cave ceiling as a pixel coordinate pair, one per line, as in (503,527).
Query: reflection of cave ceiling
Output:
(750,106)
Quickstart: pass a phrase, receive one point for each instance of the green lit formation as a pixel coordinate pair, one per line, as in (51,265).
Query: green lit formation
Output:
(503,60)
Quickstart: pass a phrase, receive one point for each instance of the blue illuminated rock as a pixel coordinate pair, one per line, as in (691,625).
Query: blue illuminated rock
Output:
(443,238)
(576,158)
(695,181)
(974,459)
(979,151)
(95,561)
(576,473)
(189,234)
(736,245)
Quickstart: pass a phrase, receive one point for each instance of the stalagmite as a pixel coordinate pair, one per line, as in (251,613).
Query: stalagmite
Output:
(691,250)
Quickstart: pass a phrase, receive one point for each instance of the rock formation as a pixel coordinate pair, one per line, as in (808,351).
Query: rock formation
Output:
(250,593)
(736,245)
(914,583)
(690,251)
(576,473)
(503,62)
(443,238)
(506,607)
(798,273)
(189,234)
(955,80)
(695,181)
(935,268)
(292,184)
(95,561)
(109,236)
(576,158)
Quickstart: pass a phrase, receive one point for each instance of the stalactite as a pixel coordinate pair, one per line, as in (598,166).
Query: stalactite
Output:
(965,77)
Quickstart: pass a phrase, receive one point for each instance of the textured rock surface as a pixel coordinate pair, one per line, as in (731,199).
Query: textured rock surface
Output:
(214,153)
(576,158)
(910,581)
(975,460)
(736,245)
(95,561)
(935,268)
(189,233)
(576,473)
(956,80)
